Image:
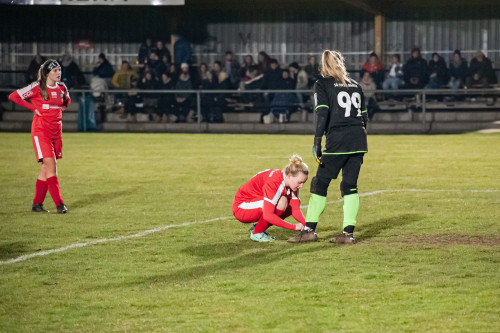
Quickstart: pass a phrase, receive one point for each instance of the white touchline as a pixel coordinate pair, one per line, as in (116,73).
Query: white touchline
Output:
(151,231)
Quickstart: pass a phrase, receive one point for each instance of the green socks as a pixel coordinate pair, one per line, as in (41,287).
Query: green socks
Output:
(351,207)
(317,204)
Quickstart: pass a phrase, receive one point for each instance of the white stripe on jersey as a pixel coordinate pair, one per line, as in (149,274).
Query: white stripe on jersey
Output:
(251,205)
(277,195)
(38,149)
(26,89)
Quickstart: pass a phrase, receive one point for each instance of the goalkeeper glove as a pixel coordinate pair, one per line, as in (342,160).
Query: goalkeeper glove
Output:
(317,149)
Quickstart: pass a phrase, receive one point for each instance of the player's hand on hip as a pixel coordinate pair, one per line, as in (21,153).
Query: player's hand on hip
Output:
(37,112)
(299,227)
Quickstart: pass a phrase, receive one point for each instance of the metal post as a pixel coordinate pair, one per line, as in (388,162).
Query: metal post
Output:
(84,112)
(424,121)
(198,108)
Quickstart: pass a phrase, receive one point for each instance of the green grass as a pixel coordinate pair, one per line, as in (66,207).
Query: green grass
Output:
(426,261)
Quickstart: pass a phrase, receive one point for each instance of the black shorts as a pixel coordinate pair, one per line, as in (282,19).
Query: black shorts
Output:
(332,164)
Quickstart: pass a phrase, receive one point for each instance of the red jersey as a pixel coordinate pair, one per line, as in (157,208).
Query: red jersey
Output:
(269,186)
(50,110)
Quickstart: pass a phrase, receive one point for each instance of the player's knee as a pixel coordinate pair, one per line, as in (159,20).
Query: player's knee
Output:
(346,188)
(282,203)
(319,186)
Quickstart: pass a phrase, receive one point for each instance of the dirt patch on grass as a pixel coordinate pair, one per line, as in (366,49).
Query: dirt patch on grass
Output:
(451,240)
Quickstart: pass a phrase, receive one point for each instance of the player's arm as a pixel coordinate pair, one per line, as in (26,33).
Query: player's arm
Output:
(296,211)
(66,98)
(322,109)
(17,98)
(272,193)
(364,111)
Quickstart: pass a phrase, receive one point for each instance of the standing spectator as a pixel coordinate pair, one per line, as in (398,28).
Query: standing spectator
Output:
(219,100)
(301,80)
(264,62)
(32,72)
(395,77)
(72,76)
(369,88)
(232,67)
(438,73)
(163,52)
(283,103)
(184,101)
(273,80)
(204,82)
(122,77)
(458,71)
(481,71)
(166,102)
(144,51)
(415,71)
(157,66)
(182,51)
(312,70)
(103,68)
(374,67)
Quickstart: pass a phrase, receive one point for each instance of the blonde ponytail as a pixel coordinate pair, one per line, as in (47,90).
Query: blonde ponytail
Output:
(296,166)
(333,65)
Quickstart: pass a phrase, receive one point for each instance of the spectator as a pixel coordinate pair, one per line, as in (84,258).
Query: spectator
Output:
(395,76)
(166,102)
(163,52)
(374,67)
(157,66)
(134,102)
(283,103)
(72,76)
(438,73)
(216,69)
(481,71)
(148,81)
(145,50)
(32,72)
(182,51)
(103,68)
(247,63)
(253,80)
(123,76)
(218,100)
(369,87)
(458,71)
(273,80)
(184,101)
(264,62)
(232,67)
(301,80)
(415,71)
(312,70)
(204,82)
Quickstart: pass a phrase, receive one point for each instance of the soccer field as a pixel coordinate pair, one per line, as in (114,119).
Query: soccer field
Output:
(150,244)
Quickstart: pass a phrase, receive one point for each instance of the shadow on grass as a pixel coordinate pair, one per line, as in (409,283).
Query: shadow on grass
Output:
(96,198)
(12,250)
(376,228)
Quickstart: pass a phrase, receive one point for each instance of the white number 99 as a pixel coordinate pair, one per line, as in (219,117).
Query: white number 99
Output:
(345,101)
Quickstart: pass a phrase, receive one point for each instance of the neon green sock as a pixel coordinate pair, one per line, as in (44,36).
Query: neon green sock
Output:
(351,207)
(317,204)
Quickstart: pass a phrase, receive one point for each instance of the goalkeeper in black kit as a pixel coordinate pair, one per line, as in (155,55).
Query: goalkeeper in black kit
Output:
(342,117)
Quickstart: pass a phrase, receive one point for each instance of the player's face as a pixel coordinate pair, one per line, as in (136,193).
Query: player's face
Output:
(296,182)
(55,74)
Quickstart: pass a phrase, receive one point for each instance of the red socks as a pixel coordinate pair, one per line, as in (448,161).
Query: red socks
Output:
(40,192)
(262,224)
(55,190)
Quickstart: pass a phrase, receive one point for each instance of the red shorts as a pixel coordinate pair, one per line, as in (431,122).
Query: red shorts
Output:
(251,211)
(46,147)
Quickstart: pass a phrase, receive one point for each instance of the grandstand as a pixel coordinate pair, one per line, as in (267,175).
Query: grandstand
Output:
(288,32)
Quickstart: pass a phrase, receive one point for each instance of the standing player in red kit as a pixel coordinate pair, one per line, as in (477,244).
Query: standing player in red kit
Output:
(271,196)
(47,97)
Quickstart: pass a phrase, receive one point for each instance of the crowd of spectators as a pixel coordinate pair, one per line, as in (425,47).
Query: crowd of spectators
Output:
(156,69)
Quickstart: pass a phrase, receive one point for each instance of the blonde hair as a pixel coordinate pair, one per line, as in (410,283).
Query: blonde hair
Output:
(296,165)
(333,65)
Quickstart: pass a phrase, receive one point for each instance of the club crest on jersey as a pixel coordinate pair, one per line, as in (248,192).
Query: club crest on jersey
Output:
(62,95)
(53,94)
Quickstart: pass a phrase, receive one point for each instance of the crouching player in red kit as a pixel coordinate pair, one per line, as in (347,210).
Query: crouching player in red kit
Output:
(48,97)
(271,196)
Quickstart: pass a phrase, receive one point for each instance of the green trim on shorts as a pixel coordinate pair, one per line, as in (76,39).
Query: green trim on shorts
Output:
(364,111)
(350,152)
(322,106)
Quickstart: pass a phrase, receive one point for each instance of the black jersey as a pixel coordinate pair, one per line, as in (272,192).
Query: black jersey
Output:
(342,116)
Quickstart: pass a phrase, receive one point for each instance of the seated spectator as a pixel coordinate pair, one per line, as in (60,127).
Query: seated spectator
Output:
(148,81)
(219,102)
(395,76)
(232,67)
(184,101)
(458,71)
(415,71)
(134,101)
(481,72)
(301,80)
(157,66)
(438,73)
(312,70)
(216,69)
(374,67)
(32,72)
(144,51)
(369,88)
(264,62)
(247,63)
(253,81)
(182,51)
(122,77)
(283,104)
(166,103)
(71,74)
(103,68)
(163,52)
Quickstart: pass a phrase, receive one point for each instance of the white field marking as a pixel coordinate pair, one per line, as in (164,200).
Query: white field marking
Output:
(151,231)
